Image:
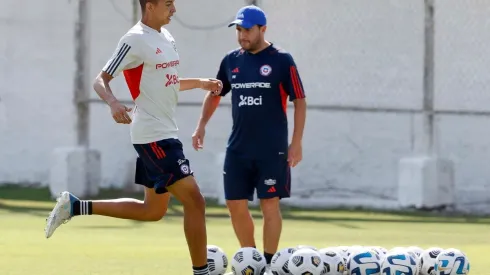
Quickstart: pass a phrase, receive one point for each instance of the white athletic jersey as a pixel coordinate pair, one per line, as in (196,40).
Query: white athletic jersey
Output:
(149,62)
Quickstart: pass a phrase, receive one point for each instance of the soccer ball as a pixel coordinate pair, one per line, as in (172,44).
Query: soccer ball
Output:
(397,248)
(415,251)
(333,263)
(344,252)
(399,262)
(427,261)
(355,249)
(248,261)
(381,251)
(452,262)
(279,262)
(217,260)
(301,246)
(336,249)
(305,261)
(363,262)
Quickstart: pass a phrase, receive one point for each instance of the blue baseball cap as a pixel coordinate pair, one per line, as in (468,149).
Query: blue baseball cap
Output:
(249,16)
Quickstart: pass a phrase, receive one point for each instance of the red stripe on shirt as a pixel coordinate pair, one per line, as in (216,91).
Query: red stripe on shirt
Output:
(298,91)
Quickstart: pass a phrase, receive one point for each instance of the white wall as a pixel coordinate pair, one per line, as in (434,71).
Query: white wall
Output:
(363,53)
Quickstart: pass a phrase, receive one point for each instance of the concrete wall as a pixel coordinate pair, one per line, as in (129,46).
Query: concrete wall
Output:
(348,53)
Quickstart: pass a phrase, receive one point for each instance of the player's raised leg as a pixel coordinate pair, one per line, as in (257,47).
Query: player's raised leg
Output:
(238,184)
(273,184)
(152,208)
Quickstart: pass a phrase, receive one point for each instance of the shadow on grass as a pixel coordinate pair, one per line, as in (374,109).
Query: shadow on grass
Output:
(35,211)
(341,221)
(15,192)
(111,227)
(42,194)
(31,194)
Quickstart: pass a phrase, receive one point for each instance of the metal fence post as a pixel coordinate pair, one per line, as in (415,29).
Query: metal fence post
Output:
(81,89)
(428,86)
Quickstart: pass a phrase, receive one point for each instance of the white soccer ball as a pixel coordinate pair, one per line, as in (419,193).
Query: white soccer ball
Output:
(333,263)
(363,262)
(427,260)
(344,252)
(217,260)
(301,246)
(452,262)
(415,251)
(333,248)
(355,248)
(381,251)
(399,262)
(279,262)
(305,261)
(249,261)
(397,248)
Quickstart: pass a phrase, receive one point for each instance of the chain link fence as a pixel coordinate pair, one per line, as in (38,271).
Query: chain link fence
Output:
(363,64)
(385,80)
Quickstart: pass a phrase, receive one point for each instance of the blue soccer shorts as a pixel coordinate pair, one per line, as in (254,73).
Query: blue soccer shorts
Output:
(270,176)
(160,164)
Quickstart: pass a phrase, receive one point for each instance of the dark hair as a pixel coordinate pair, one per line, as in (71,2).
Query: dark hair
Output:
(143,4)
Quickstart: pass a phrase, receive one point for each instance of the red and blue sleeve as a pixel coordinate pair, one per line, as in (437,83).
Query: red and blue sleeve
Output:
(223,76)
(291,82)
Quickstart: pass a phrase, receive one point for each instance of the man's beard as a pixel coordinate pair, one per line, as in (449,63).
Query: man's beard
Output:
(253,46)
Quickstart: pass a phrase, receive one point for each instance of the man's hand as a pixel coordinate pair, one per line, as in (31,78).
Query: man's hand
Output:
(295,154)
(120,112)
(213,85)
(198,138)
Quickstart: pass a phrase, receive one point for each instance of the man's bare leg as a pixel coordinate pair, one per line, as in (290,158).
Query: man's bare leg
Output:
(153,208)
(242,222)
(272,226)
(188,193)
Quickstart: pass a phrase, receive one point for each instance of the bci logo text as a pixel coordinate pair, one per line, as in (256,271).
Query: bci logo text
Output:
(250,101)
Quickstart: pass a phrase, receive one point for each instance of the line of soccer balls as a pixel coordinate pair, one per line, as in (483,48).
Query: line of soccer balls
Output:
(343,260)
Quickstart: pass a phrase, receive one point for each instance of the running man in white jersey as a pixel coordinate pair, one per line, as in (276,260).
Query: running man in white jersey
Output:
(148,58)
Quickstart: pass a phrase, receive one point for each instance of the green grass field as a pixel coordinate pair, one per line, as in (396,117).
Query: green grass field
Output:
(97,245)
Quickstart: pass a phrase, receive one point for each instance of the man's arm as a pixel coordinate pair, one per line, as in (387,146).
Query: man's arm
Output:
(299,120)
(294,87)
(211,101)
(207,84)
(125,56)
(190,83)
(103,89)
(209,106)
